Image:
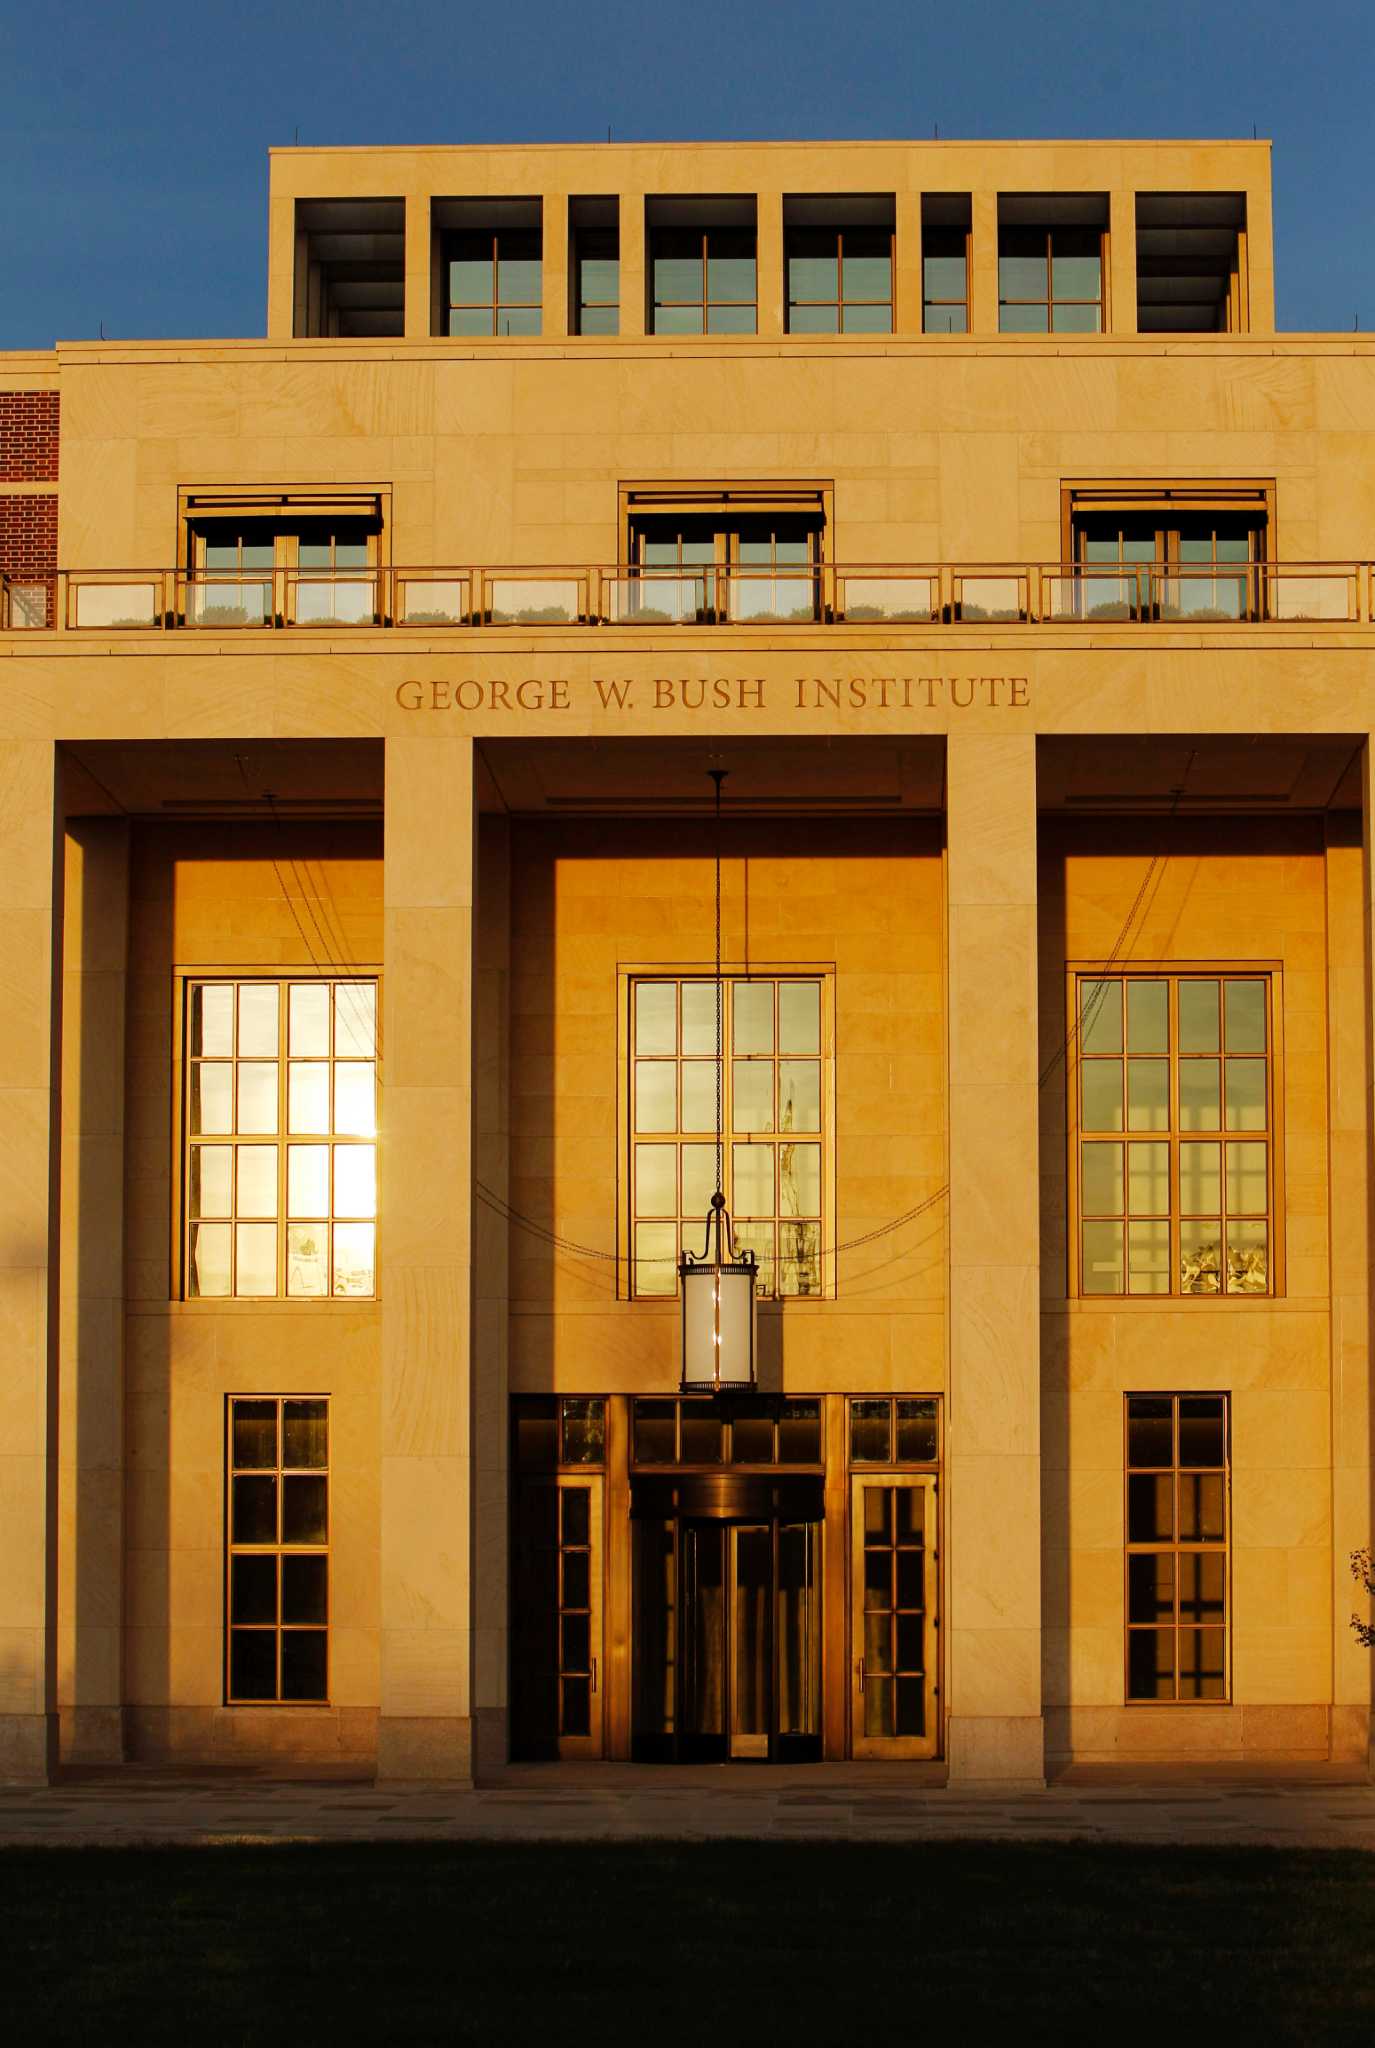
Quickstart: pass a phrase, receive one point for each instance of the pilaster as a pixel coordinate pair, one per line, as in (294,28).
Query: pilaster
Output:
(983,263)
(1121,263)
(419,315)
(634,283)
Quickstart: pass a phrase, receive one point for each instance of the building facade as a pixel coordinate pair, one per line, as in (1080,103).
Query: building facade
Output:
(364,1068)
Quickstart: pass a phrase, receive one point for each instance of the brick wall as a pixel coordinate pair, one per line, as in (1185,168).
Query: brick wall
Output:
(28,436)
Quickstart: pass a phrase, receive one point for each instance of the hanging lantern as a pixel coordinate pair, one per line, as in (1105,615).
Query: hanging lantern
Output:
(718,1288)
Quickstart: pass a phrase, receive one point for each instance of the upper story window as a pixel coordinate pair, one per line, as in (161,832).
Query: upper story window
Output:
(350,267)
(280,1158)
(1175,1134)
(1177,1520)
(278,1550)
(595,266)
(703,272)
(493,268)
(772,1088)
(1189,555)
(747,557)
(1051,263)
(839,257)
(1191,263)
(308,562)
(945,229)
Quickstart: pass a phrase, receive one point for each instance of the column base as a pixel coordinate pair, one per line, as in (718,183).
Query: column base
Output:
(28,1749)
(997,1749)
(425,1747)
(90,1735)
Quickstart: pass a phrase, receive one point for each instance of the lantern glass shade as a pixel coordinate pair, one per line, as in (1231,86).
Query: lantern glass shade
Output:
(718,1324)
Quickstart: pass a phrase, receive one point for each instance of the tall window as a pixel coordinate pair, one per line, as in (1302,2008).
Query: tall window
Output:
(840,280)
(1050,280)
(704,280)
(281,1125)
(495,281)
(278,1561)
(1177,1500)
(596,265)
(1176,1134)
(771,1104)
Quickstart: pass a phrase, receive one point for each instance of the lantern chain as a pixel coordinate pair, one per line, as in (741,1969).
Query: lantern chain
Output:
(718,776)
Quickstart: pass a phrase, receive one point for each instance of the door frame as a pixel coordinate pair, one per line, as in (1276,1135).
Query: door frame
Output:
(896,1747)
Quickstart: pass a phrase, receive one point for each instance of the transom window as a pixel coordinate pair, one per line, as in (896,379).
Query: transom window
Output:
(1050,280)
(894,1429)
(495,279)
(281,1126)
(704,280)
(1176,1137)
(840,280)
(770,1087)
(278,1553)
(1177,1508)
(668,1430)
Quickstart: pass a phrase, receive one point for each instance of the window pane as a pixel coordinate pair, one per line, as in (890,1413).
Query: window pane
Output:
(1150,1508)
(1101,1084)
(1202,1429)
(758,1238)
(752,1085)
(307,1180)
(518,280)
(253,1510)
(799,1433)
(916,1431)
(1101,1180)
(700,1097)
(730,277)
(868,277)
(655,1096)
(1148,1095)
(1150,1664)
(308,1019)
(1247,1179)
(209,1259)
(255,1259)
(306,1269)
(583,1433)
(752,1171)
(1199,1106)
(871,1437)
(1198,1016)
(677,277)
(678,319)
(699,1017)
(703,1434)
(257,1180)
(253,1664)
(355,1099)
(253,1589)
(699,1180)
(943,277)
(1102,1258)
(868,319)
(1075,319)
(1202,1664)
(255,1433)
(656,1017)
(656,1180)
(212,1019)
(1199,1184)
(752,1003)
(1202,1507)
(518,320)
(355,1258)
(654,1425)
(1248,1258)
(799,1259)
(1148,1016)
(751,1440)
(258,1009)
(1100,1015)
(813,277)
(355,1020)
(1148,1174)
(257,1096)
(303,1509)
(799,1016)
(470,280)
(211,1180)
(1077,273)
(799,1180)
(307,1097)
(1150,1430)
(1023,319)
(1023,277)
(1148,1258)
(1200,1260)
(304,1583)
(1245,1095)
(945,320)
(799,1095)
(1245,1016)
(656,1258)
(355,1180)
(212,1086)
(466,320)
(305,1435)
(1150,1586)
(599,320)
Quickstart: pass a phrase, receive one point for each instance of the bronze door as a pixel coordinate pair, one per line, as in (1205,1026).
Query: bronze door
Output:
(894,1691)
(557,1619)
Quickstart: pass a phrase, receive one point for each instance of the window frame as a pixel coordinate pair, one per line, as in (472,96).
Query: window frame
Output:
(655,231)
(1049,230)
(931,231)
(841,299)
(1177,1546)
(1271,971)
(185,981)
(628,976)
(279,1549)
(496,305)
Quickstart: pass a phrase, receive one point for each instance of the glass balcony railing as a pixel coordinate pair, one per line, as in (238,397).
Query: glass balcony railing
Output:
(858,594)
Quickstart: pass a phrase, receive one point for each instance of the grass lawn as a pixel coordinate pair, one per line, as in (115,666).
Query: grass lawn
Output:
(711,1943)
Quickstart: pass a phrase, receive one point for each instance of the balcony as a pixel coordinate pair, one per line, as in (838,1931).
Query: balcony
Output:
(868,594)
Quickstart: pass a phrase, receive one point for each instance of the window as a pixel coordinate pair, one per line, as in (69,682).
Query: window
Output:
(350,267)
(251,567)
(1169,551)
(495,281)
(1177,1507)
(771,1088)
(704,279)
(1191,262)
(667,1430)
(596,266)
(1050,265)
(278,1563)
(553,1430)
(746,569)
(840,280)
(1176,1149)
(893,1429)
(945,224)
(281,1124)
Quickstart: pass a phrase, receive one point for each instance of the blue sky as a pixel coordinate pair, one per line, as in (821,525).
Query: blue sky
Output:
(133,149)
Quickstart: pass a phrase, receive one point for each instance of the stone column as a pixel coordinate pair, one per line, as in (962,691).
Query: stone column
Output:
(425,1726)
(554,267)
(907,277)
(770,282)
(1121,263)
(491,1291)
(30,922)
(993,1492)
(634,283)
(90,1476)
(983,263)
(418,320)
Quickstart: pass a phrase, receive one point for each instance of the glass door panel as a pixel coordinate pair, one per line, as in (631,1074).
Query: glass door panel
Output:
(893,1600)
(751,1598)
(558,1662)
(799,1633)
(704,1638)
(655,1642)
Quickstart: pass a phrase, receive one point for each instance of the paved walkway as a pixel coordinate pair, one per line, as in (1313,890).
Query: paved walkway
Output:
(622,1803)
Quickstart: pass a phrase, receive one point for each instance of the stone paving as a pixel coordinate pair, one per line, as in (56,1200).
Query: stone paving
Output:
(622,1803)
